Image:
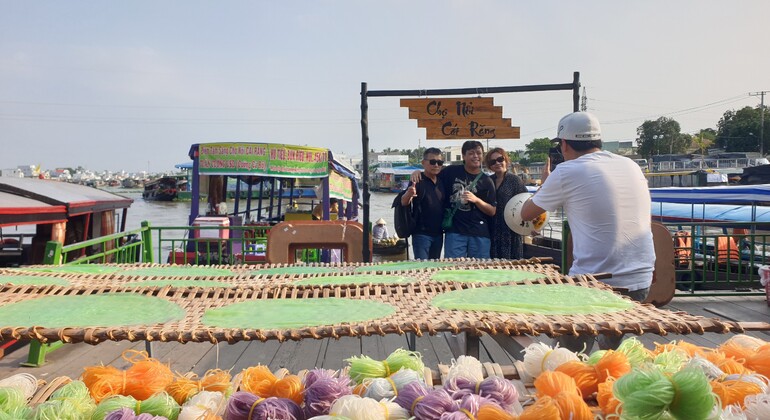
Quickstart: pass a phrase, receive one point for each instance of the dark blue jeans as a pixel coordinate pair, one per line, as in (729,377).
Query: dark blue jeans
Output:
(427,247)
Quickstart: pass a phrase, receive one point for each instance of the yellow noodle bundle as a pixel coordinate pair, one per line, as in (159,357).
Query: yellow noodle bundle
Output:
(215,380)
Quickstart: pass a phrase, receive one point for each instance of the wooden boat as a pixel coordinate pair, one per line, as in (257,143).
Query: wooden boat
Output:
(390,249)
(161,189)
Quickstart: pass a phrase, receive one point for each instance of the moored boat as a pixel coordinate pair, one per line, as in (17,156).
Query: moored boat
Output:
(161,189)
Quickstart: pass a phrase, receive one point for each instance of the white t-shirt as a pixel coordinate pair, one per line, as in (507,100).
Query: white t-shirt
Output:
(607,204)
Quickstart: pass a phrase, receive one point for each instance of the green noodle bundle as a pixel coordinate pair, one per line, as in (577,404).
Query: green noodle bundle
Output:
(70,402)
(634,351)
(160,404)
(694,399)
(363,367)
(644,393)
(671,361)
(13,403)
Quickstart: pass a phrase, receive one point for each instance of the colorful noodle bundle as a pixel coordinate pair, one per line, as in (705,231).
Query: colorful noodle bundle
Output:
(205,405)
(493,412)
(649,393)
(259,381)
(539,357)
(606,399)
(728,365)
(635,351)
(13,403)
(688,348)
(364,367)
(551,383)
(25,382)
(759,361)
(126,413)
(322,390)
(145,377)
(247,406)
(184,387)
(494,388)
(557,390)
(467,367)
(70,402)
(612,364)
(160,404)
(355,407)
(734,392)
(387,388)
(671,361)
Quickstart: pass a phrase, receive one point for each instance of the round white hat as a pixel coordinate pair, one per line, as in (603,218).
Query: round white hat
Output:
(512,216)
(580,126)
(380,221)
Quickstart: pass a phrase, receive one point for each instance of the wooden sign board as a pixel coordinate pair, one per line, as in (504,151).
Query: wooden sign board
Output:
(460,118)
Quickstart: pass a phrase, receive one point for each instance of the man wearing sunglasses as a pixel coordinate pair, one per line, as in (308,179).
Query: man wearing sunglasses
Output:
(429,194)
(607,203)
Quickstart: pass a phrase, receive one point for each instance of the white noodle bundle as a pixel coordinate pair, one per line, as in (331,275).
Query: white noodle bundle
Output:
(731,412)
(358,408)
(202,403)
(539,357)
(387,388)
(467,367)
(757,406)
(746,341)
(711,370)
(24,382)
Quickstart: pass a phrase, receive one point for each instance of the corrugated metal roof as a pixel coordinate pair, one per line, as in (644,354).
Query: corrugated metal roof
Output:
(78,199)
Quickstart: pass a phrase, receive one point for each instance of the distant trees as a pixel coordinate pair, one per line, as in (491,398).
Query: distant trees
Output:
(661,136)
(537,151)
(738,131)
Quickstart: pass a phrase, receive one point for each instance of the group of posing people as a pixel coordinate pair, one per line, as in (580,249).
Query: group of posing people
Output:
(474,201)
(604,196)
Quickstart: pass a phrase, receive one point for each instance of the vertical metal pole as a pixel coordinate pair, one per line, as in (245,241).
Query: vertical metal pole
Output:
(365,176)
(196,194)
(576,91)
(237,195)
(762,126)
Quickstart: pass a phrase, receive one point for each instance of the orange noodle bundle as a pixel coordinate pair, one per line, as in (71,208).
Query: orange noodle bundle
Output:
(735,350)
(727,365)
(587,377)
(759,361)
(543,409)
(492,412)
(689,348)
(143,379)
(551,383)
(259,381)
(184,387)
(571,406)
(606,399)
(734,392)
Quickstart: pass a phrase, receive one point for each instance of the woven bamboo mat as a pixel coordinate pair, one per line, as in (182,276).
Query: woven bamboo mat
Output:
(134,275)
(413,313)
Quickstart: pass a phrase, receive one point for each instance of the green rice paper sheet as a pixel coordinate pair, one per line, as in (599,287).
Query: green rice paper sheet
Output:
(177,271)
(403,266)
(485,276)
(534,299)
(294,270)
(34,280)
(74,269)
(295,313)
(356,279)
(105,310)
(178,283)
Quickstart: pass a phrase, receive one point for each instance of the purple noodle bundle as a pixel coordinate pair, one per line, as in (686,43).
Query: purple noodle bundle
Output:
(469,404)
(247,406)
(434,405)
(322,392)
(494,388)
(409,394)
(314,375)
(126,413)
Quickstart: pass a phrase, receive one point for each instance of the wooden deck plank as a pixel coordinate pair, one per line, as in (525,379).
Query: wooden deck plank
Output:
(220,356)
(373,347)
(305,355)
(256,353)
(339,350)
(425,346)
(443,351)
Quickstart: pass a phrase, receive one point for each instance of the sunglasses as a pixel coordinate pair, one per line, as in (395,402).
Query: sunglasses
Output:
(499,159)
(438,162)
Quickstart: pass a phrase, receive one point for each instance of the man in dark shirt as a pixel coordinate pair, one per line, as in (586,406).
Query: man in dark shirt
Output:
(429,195)
(475,201)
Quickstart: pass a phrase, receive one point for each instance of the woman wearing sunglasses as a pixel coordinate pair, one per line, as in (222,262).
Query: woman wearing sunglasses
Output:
(506,243)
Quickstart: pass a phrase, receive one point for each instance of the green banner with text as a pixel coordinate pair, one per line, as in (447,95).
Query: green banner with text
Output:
(263,159)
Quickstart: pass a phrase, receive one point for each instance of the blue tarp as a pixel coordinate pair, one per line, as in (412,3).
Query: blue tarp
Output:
(746,195)
(711,212)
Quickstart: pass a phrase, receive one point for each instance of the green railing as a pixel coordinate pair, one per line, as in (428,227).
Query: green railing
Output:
(124,247)
(718,260)
(207,245)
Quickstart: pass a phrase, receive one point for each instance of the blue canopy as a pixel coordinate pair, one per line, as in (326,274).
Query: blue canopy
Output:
(746,195)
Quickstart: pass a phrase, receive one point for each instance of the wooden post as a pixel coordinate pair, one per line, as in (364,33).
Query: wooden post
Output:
(367,256)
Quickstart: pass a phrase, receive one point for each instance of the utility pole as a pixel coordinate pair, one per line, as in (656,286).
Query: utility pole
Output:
(761,120)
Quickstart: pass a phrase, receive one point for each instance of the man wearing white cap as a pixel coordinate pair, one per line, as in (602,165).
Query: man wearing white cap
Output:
(607,204)
(380,231)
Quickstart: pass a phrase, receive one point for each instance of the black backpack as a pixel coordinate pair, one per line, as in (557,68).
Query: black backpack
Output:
(405,217)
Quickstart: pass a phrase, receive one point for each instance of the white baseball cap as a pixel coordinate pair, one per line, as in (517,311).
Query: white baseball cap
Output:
(580,126)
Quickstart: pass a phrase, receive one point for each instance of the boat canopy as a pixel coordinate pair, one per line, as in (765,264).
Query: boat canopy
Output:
(75,199)
(745,195)
(17,210)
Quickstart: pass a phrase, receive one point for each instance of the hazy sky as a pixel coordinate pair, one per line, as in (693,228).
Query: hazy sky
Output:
(130,85)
